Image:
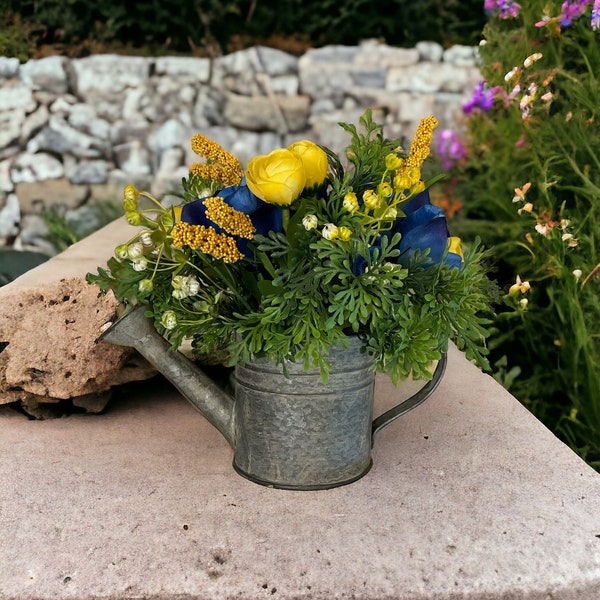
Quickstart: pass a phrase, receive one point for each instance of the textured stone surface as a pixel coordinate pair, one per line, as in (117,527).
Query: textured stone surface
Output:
(49,321)
(105,117)
(469,498)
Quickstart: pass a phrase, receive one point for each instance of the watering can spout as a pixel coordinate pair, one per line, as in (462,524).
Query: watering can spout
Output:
(136,330)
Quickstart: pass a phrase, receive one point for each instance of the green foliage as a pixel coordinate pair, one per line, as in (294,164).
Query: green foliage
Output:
(546,343)
(335,269)
(214,26)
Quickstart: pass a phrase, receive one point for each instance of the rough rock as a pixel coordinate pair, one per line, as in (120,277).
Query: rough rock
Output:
(50,319)
(48,334)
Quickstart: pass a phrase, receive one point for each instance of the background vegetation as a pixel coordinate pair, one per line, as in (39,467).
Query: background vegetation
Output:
(528,177)
(29,28)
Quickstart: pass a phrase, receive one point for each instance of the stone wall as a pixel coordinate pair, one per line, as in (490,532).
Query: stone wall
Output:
(76,131)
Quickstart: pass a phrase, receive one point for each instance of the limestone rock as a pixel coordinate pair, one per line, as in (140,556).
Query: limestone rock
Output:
(51,191)
(46,74)
(49,350)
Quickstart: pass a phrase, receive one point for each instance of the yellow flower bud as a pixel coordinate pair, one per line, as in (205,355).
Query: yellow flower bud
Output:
(314,161)
(145,285)
(330,231)
(393,162)
(344,233)
(402,182)
(350,202)
(277,177)
(310,222)
(371,199)
(130,198)
(384,190)
(167,220)
(134,217)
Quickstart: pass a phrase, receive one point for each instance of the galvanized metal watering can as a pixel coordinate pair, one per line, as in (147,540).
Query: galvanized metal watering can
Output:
(288,431)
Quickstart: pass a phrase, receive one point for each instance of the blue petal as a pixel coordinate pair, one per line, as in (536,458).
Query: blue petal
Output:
(194,213)
(416,202)
(241,198)
(432,234)
(453,260)
(422,215)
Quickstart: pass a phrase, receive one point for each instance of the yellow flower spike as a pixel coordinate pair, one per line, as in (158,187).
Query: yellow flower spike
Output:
(277,178)
(314,161)
(221,166)
(207,240)
(228,218)
(420,146)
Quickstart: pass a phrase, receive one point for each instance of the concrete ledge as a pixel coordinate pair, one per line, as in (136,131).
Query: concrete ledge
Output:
(470,497)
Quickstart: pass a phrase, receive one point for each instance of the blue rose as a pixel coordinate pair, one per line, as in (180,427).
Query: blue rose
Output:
(424,227)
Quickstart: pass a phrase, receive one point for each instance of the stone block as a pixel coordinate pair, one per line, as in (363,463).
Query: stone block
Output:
(49,192)
(50,318)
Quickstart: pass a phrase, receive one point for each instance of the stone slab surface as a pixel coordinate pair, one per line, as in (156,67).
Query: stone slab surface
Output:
(469,497)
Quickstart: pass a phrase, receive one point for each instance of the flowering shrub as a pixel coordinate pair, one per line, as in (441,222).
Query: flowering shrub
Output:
(294,253)
(530,183)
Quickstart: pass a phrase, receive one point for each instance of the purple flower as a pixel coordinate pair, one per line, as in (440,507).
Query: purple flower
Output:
(507,9)
(450,149)
(571,9)
(482,99)
(596,15)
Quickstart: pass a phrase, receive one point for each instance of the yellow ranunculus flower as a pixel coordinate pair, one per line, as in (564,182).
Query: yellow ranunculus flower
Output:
(314,160)
(277,177)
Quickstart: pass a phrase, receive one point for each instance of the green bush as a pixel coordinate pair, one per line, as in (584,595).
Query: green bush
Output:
(530,185)
(217,26)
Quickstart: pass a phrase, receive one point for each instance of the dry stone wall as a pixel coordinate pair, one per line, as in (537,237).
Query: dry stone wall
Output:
(74,131)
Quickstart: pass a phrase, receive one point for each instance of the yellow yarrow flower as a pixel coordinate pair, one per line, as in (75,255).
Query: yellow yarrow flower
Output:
(207,240)
(221,166)
(228,218)
(407,177)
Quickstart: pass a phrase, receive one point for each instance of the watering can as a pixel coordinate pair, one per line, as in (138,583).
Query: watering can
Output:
(288,429)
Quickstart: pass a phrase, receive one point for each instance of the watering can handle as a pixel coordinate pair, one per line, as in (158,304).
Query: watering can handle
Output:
(391,415)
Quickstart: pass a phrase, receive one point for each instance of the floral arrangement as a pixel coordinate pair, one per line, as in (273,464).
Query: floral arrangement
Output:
(298,251)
